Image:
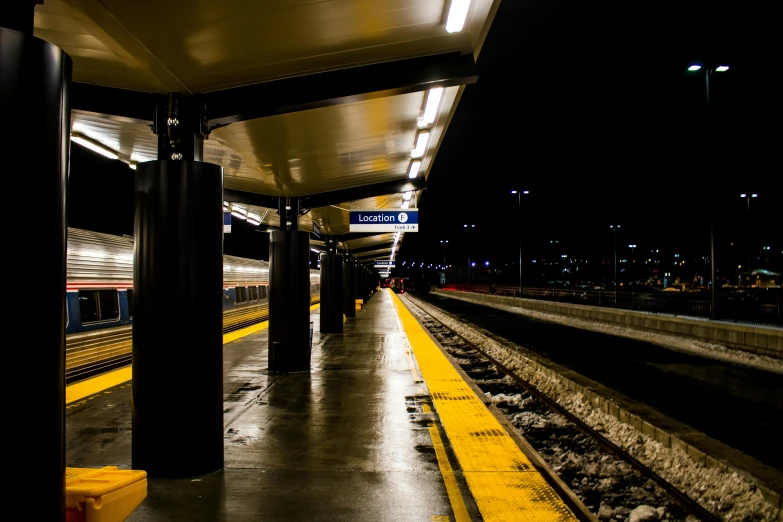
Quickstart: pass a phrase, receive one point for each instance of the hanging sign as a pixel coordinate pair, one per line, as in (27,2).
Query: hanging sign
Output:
(402,220)
(226,222)
(384,264)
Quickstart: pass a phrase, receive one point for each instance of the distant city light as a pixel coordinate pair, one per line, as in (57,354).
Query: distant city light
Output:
(486,263)
(754,195)
(631,246)
(457,14)
(513,191)
(722,68)
(694,67)
(473,264)
(525,192)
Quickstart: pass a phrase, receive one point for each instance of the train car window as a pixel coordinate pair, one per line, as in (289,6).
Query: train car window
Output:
(262,292)
(241,294)
(253,293)
(88,305)
(130,302)
(110,305)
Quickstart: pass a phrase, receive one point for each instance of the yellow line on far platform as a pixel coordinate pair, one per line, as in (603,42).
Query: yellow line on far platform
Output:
(80,390)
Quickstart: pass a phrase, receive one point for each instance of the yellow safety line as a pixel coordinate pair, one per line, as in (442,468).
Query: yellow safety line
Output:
(82,389)
(238,334)
(502,480)
(449,478)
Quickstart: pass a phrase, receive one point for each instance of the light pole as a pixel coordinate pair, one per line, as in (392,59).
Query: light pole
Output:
(708,70)
(748,197)
(614,236)
(469,227)
(519,231)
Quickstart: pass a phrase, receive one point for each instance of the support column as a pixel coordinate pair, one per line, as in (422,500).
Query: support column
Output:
(331,289)
(349,290)
(35,78)
(357,281)
(289,293)
(178,319)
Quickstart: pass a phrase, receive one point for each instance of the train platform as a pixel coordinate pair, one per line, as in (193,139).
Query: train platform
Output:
(382,428)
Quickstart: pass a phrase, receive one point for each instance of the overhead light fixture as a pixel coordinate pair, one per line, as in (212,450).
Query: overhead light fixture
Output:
(236,208)
(408,195)
(413,170)
(694,67)
(238,215)
(253,221)
(421,144)
(255,217)
(457,14)
(406,204)
(132,166)
(722,68)
(100,149)
(431,107)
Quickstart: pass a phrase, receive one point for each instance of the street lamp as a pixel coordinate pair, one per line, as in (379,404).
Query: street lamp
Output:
(469,227)
(713,291)
(614,235)
(444,242)
(519,232)
(748,197)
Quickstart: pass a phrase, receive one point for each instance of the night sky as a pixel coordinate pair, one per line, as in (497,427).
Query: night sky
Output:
(589,107)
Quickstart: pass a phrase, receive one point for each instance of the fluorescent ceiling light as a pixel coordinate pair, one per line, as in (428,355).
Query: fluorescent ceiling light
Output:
(722,68)
(253,221)
(413,171)
(407,195)
(254,217)
(406,204)
(421,144)
(431,107)
(457,14)
(237,214)
(241,210)
(95,147)
(132,166)
(694,67)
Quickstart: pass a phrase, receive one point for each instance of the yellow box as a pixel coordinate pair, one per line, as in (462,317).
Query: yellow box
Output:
(103,495)
(359,303)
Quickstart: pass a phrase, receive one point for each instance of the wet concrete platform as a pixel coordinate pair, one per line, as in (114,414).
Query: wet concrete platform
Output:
(347,441)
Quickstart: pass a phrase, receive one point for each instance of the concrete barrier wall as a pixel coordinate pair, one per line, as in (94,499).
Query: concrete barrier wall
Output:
(754,339)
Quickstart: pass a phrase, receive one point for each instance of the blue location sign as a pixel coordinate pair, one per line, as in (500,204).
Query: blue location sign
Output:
(226,222)
(387,264)
(402,220)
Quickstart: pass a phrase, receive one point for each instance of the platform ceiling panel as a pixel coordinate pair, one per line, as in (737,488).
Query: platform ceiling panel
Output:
(208,45)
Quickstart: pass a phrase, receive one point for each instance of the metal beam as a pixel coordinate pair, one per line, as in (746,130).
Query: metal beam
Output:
(250,198)
(376,249)
(324,199)
(348,85)
(113,101)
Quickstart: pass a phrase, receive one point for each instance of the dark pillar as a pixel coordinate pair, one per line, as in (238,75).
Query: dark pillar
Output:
(289,293)
(35,78)
(178,319)
(331,292)
(365,285)
(357,277)
(349,282)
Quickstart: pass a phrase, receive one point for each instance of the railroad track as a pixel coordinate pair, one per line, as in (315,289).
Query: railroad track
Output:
(606,478)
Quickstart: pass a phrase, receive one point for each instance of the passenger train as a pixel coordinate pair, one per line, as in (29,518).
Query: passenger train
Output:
(99,300)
